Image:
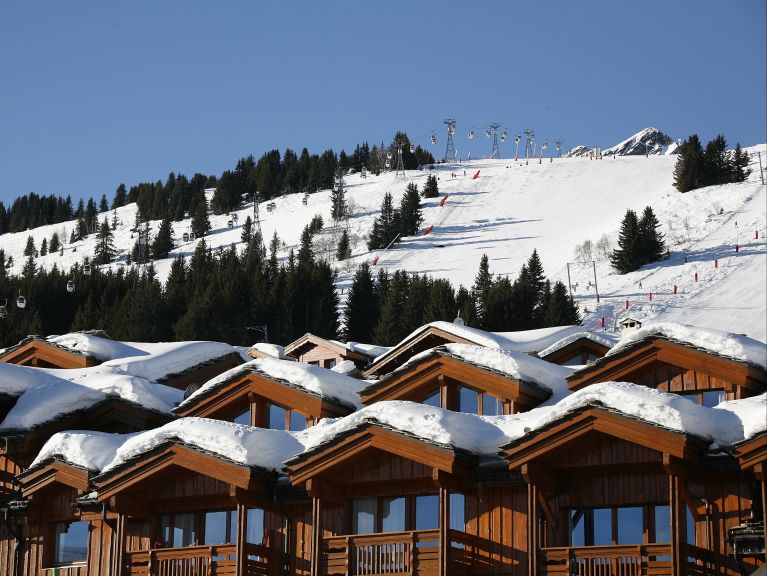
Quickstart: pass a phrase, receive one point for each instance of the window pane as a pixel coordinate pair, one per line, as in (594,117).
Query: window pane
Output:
(630,528)
(184,533)
(393,515)
(364,515)
(578,527)
(297,421)
(662,524)
(255,533)
(690,527)
(243,418)
(165,532)
(603,526)
(71,542)
(233,525)
(491,405)
(427,512)
(215,527)
(457,511)
(468,400)
(330,364)
(712,398)
(433,400)
(276,417)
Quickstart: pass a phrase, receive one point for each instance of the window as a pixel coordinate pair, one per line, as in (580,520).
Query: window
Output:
(178,529)
(71,542)
(372,515)
(330,364)
(619,525)
(243,418)
(285,419)
(708,398)
(255,529)
(297,421)
(457,511)
(491,405)
(220,527)
(210,527)
(468,400)
(276,417)
(433,400)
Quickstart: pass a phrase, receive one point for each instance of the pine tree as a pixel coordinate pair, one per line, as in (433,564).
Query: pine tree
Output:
(389,328)
(410,211)
(103,205)
(716,162)
(120,196)
(625,258)
(115,221)
(338,207)
(442,304)
(688,170)
(500,301)
(2,267)
(30,268)
(53,245)
(385,225)
(414,311)
(740,162)
(561,310)
(650,244)
(466,305)
(44,247)
(343,251)
(163,242)
(431,189)
(537,282)
(200,221)
(482,284)
(247,231)
(105,249)
(361,307)
(29,249)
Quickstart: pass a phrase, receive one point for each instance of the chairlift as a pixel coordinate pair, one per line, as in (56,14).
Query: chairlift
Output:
(87,268)
(517,138)
(70,286)
(487,133)
(503,136)
(230,223)
(364,172)
(470,135)
(412,149)
(433,138)
(305,199)
(186,236)
(451,128)
(388,164)
(235,218)
(191,236)
(388,155)
(21,302)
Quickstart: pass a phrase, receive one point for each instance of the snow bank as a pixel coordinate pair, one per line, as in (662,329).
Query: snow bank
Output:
(312,379)
(737,346)
(345,367)
(242,444)
(163,359)
(87,449)
(604,339)
(752,412)
(95,346)
(273,350)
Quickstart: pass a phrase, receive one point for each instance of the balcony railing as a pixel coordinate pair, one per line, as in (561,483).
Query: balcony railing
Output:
(701,562)
(413,553)
(617,560)
(217,560)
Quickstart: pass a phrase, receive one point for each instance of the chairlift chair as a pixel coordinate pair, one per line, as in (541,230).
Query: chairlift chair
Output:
(185,236)
(191,236)
(433,139)
(21,302)
(470,135)
(230,223)
(388,155)
(70,286)
(305,199)
(412,149)
(487,133)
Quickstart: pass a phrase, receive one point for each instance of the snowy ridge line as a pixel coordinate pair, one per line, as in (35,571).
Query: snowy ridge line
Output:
(604,339)
(718,428)
(319,382)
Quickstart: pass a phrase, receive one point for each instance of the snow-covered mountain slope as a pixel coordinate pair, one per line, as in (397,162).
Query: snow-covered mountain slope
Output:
(648,141)
(512,208)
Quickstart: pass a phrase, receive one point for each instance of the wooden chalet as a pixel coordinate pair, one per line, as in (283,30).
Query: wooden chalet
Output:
(674,366)
(446,380)
(18,448)
(311,349)
(609,494)
(579,352)
(385,502)
(254,397)
(38,352)
(752,457)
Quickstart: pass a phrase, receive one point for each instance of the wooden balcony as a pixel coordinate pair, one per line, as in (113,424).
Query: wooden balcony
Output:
(218,560)
(413,553)
(617,560)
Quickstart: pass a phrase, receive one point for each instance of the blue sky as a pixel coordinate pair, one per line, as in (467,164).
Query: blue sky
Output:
(97,93)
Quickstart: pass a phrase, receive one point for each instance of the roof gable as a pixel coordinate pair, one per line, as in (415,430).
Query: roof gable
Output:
(33,351)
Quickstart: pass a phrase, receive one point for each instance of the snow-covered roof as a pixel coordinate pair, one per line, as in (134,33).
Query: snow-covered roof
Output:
(47,394)
(521,341)
(602,338)
(516,365)
(369,350)
(722,426)
(321,382)
(735,346)
(94,345)
(273,350)
(158,361)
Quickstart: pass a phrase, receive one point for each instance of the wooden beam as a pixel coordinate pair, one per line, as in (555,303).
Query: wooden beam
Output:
(540,476)
(127,505)
(678,467)
(444,527)
(547,511)
(241,540)
(321,490)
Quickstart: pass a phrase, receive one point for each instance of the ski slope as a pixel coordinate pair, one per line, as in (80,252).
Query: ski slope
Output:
(514,207)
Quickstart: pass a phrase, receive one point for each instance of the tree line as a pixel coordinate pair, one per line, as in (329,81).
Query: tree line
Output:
(696,167)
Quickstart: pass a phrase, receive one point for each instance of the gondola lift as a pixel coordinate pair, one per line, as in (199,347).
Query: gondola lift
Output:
(470,135)
(21,302)
(412,149)
(87,269)
(70,286)
(433,138)
(487,133)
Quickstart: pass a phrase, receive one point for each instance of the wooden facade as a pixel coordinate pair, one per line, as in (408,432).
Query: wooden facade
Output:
(253,392)
(672,366)
(42,354)
(311,349)
(442,374)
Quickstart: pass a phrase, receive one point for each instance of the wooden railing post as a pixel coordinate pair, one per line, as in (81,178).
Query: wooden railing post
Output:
(411,553)
(349,552)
